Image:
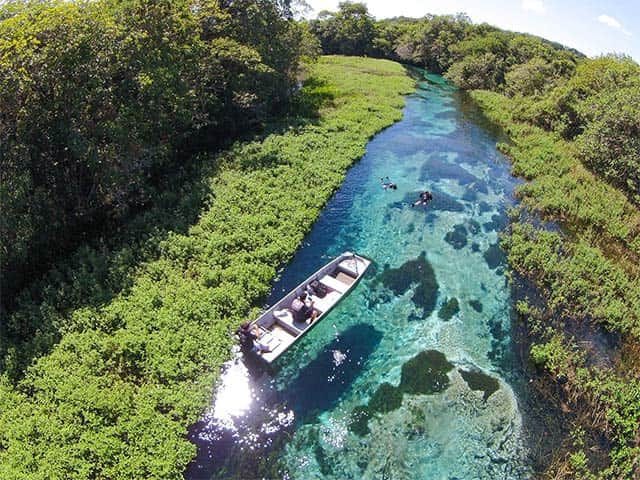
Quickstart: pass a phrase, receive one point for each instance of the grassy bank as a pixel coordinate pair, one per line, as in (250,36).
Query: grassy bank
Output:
(589,277)
(125,343)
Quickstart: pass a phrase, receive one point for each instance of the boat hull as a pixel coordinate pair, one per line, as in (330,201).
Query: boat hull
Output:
(278,327)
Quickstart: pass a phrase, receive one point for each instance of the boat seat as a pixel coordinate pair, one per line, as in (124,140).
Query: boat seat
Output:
(334,284)
(270,340)
(325,303)
(344,278)
(351,266)
(285,318)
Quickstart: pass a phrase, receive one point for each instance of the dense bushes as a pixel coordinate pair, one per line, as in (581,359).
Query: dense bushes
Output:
(473,56)
(578,280)
(598,107)
(350,31)
(477,72)
(99,99)
(610,143)
(564,109)
(115,377)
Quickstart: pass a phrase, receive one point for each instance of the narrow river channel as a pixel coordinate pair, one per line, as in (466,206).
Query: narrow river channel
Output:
(411,376)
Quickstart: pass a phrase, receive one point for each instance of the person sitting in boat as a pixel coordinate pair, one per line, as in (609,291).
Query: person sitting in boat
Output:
(425,198)
(302,309)
(250,338)
(316,288)
(388,184)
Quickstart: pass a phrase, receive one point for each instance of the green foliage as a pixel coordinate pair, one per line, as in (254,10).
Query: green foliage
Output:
(101,99)
(589,274)
(561,188)
(530,78)
(350,31)
(578,279)
(610,393)
(565,109)
(427,42)
(114,376)
(621,398)
(477,72)
(473,56)
(579,464)
(552,354)
(610,144)
(310,47)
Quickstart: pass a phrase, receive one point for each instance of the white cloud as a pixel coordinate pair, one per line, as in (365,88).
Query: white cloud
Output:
(536,6)
(613,23)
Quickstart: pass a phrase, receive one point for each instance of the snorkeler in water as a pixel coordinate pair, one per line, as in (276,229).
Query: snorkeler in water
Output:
(425,198)
(388,184)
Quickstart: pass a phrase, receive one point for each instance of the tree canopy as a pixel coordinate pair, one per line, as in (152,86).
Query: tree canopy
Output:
(99,99)
(349,31)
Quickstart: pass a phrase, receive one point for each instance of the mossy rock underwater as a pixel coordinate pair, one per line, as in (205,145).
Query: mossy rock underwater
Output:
(418,271)
(449,310)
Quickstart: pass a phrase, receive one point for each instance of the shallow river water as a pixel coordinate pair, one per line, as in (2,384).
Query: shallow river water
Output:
(411,375)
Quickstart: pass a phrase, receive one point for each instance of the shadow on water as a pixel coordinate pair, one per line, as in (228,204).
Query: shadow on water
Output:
(439,166)
(327,235)
(470,113)
(252,415)
(321,383)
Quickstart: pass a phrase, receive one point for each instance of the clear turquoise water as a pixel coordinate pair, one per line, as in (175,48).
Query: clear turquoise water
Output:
(323,413)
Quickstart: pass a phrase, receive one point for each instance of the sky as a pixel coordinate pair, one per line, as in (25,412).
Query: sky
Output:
(593,27)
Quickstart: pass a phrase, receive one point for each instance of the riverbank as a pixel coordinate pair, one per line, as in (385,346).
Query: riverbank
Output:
(114,379)
(585,330)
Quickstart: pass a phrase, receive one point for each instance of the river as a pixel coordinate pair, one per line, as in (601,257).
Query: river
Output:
(412,375)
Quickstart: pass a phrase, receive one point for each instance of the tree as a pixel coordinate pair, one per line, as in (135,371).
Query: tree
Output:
(610,143)
(530,78)
(100,98)
(433,37)
(350,31)
(477,72)
(563,109)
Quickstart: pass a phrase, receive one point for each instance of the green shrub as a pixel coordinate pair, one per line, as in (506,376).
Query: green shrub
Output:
(610,144)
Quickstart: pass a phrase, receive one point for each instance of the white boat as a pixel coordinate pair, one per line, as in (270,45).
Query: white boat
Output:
(279,330)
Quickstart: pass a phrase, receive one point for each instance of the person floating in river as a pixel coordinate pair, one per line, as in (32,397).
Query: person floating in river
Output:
(388,184)
(425,198)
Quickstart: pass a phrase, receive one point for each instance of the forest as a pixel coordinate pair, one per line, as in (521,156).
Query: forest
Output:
(134,135)
(100,100)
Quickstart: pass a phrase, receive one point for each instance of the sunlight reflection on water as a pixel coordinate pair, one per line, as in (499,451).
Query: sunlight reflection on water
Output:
(234,397)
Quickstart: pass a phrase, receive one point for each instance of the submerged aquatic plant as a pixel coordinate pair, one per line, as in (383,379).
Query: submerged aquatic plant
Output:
(457,238)
(477,380)
(424,374)
(449,310)
(417,272)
